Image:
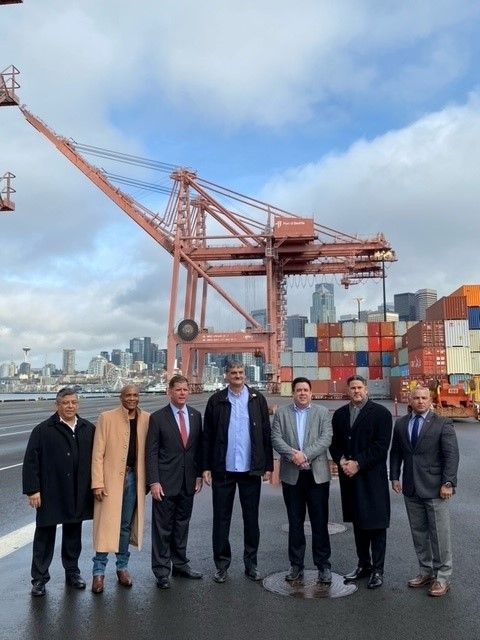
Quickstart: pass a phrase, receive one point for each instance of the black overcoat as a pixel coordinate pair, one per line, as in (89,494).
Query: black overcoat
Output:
(58,463)
(365,497)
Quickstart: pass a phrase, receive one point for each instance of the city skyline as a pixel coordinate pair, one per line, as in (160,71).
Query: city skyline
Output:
(364,117)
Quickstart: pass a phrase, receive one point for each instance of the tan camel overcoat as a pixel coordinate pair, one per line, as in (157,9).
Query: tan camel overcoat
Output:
(109,461)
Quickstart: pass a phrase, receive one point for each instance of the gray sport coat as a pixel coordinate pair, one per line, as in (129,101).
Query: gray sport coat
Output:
(318,436)
(432,462)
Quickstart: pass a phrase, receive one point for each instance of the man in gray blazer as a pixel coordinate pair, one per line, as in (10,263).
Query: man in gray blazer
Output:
(426,445)
(301,434)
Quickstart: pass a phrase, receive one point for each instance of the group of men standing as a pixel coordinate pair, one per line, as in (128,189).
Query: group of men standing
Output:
(73,470)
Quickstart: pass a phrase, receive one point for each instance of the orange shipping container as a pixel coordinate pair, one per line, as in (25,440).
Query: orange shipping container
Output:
(323,330)
(323,344)
(342,373)
(471,292)
(374,343)
(324,359)
(387,344)
(342,359)
(451,308)
(320,387)
(286,374)
(387,328)
(375,359)
(335,329)
(373,329)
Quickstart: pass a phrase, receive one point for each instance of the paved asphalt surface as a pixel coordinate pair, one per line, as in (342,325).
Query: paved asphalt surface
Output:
(238,609)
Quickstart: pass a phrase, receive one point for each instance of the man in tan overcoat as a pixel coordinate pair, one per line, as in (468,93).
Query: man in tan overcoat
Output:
(118,484)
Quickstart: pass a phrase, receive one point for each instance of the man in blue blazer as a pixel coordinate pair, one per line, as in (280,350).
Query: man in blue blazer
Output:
(301,434)
(173,453)
(425,445)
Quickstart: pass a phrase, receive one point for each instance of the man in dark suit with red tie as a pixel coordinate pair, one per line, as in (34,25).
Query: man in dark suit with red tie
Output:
(173,454)
(425,445)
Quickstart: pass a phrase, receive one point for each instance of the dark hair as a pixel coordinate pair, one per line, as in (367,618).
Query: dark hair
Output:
(301,379)
(359,378)
(66,391)
(176,380)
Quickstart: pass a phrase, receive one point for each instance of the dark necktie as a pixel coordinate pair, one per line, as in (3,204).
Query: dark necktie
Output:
(414,436)
(183,428)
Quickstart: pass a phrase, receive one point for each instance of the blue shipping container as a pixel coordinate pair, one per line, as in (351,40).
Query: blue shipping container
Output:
(361,358)
(474,317)
(310,345)
(386,359)
(457,378)
(404,370)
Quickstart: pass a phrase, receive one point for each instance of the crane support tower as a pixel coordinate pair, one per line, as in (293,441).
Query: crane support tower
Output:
(212,232)
(6,190)
(11,1)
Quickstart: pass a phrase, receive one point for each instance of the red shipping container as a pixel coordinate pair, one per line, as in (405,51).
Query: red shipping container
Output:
(342,373)
(324,359)
(342,359)
(426,334)
(387,328)
(335,329)
(320,387)
(286,374)
(375,358)
(448,308)
(323,344)
(375,373)
(430,361)
(387,344)
(373,329)
(400,390)
(374,343)
(322,330)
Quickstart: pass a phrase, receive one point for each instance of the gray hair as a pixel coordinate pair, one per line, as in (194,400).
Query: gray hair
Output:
(234,365)
(66,391)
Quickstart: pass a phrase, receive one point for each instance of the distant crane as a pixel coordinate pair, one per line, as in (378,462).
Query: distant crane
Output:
(11,1)
(213,232)
(26,351)
(6,190)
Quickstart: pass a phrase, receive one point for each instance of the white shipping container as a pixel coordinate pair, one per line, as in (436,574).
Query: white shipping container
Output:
(348,344)
(362,371)
(310,330)
(298,345)
(398,342)
(285,389)
(361,344)
(286,359)
(474,339)
(361,330)
(336,344)
(348,329)
(457,334)
(305,359)
(324,373)
(304,372)
(459,360)
(386,372)
(403,356)
(379,388)
(475,363)
(400,328)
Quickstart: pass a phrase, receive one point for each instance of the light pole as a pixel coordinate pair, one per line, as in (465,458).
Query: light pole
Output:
(359,300)
(384,256)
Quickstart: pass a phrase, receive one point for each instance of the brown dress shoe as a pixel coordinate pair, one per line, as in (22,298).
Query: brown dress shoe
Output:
(97,584)
(420,581)
(438,589)
(124,578)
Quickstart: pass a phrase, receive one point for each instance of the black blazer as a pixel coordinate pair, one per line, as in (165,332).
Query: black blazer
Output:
(432,462)
(167,461)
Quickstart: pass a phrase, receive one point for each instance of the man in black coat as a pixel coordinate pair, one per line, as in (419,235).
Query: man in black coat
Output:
(425,446)
(173,455)
(361,437)
(237,452)
(57,481)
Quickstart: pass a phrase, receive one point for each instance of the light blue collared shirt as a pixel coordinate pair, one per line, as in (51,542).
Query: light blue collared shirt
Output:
(420,423)
(175,411)
(301,416)
(239,449)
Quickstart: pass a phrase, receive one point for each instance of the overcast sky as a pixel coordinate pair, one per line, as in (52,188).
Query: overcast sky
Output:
(363,113)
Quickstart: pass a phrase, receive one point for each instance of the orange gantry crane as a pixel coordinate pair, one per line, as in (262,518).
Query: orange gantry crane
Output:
(215,233)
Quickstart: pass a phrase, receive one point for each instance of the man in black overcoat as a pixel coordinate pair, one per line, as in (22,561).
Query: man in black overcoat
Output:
(361,437)
(57,481)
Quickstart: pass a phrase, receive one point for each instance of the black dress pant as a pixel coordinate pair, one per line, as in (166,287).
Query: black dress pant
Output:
(44,545)
(223,493)
(371,545)
(170,525)
(306,493)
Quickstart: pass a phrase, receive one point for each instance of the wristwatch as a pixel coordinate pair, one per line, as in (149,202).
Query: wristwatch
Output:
(449,485)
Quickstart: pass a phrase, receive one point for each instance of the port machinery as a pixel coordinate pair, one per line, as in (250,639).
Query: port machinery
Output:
(214,233)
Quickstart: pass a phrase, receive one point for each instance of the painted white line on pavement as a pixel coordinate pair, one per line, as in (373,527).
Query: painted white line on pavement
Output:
(14,433)
(16,540)
(12,466)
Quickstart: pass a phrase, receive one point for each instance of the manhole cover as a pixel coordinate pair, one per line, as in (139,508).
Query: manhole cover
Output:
(333,528)
(308,587)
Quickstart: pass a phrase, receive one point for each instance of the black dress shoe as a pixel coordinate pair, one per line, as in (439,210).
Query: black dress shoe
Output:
(252,573)
(220,576)
(324,576)
(38,588)
(186,572)
(359,572)
(76,581)
(376,580)
(163,583)
(295,573)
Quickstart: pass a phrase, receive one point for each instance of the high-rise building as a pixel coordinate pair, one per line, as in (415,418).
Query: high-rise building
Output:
(136,349)
(323,304)
(147,351)
(116,357)
(260,315)
(68,362)
(404,305)
(423,299)
(295,328)
(105,355)
(97,366)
